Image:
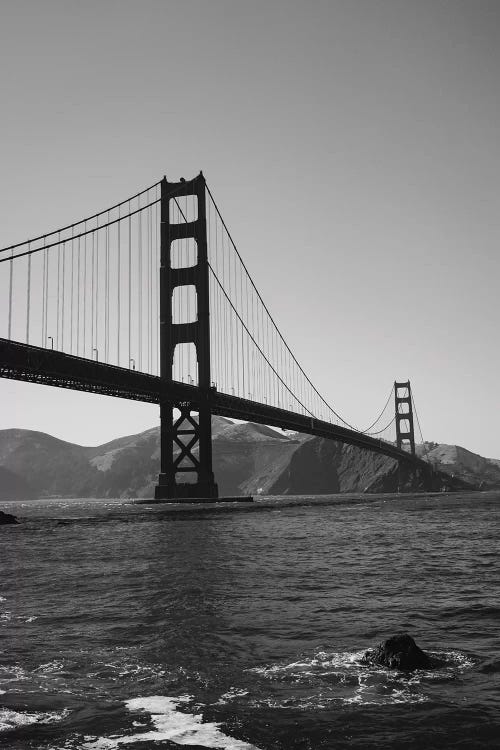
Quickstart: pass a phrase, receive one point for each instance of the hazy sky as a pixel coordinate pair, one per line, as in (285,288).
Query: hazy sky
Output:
(353,146)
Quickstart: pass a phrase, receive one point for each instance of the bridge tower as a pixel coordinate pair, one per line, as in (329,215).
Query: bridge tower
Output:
(181,429)
(404,416)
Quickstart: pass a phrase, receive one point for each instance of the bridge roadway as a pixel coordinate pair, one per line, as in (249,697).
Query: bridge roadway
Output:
(34,364)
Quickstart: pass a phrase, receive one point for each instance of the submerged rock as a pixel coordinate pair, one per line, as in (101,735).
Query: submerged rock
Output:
(398,652)
(6,518)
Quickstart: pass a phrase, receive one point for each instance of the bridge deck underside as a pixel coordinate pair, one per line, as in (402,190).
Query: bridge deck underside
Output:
(45,366)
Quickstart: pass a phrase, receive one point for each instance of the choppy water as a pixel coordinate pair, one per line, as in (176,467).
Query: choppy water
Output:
(243,627)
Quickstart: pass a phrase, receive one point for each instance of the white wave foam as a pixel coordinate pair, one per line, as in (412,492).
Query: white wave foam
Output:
(455,659)
(349,663)
(7,617)
(12,673)
(231,695)
(342,677)
(170,724)
(143,671)
(10,719)
(321,664)
(49,667)
(369,693)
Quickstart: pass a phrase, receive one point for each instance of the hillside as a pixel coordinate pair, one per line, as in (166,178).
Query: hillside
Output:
(248,459)
(14,487)
(459,462)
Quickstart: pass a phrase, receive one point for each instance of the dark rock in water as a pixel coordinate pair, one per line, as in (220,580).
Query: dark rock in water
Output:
(6,518)
(398,652)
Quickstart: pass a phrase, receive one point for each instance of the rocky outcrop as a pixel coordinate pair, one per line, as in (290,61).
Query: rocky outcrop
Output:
(7,518)
(398,652)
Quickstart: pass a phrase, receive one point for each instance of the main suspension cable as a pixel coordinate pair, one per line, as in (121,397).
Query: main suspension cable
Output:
(315,390)
(82,221)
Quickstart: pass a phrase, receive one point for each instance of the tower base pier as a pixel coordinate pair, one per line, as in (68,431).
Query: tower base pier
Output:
(195,500)
(182,491)
(197,492)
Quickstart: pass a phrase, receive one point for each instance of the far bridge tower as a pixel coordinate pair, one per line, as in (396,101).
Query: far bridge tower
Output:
(405,435)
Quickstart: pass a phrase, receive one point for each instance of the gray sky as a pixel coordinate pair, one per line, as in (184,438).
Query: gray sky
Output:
(352,146)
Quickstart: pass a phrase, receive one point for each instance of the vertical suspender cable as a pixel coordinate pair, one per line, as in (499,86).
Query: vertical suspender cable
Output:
(78,301)
(63,293)
(11,281)
(84,291)
(106,295)
(272,390)
(71,295)
(106,258)
(232,355)
(242,334)
(214,304)
(58,309)
(247,337)
(150,289)
(228,322)
(118,291)
(43,297)
(92,299)
(236,382)
(139,316)
(156,285)
(148,331)
(220,323)
(47,294)
(28,293)
(215,297)
(47,267)
(153,286)
(129,285)
(97,291)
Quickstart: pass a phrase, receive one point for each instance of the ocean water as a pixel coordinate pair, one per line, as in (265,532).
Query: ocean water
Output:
(242,627)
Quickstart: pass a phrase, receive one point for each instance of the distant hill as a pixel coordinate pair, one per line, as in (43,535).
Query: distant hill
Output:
(248,459)
(459,462)
(36,464)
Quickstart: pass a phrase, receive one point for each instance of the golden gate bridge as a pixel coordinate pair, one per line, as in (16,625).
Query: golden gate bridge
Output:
(151,300)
